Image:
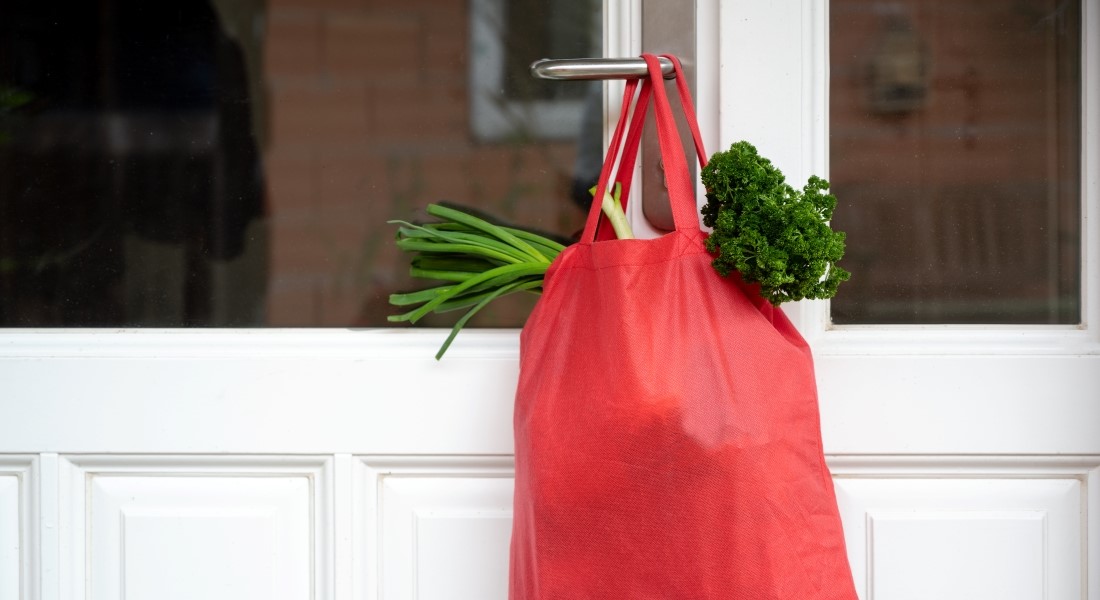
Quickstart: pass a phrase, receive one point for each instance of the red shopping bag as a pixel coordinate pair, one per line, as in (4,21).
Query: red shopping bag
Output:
(666,422)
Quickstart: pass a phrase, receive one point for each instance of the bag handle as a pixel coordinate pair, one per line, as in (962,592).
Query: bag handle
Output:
(629,150)
(681,189)
(633,142)
(689,109)
(615,150)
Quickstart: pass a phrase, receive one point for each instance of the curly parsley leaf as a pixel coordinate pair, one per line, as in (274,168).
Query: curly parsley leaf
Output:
(768,231)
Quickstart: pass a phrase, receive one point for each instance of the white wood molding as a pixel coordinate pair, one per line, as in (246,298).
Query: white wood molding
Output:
(355,500)
(1092,547)
(1048,503)
(345,531)
(372,573)
(1090,169)
(360,344)
(931,404)
(856,466)
(258,405)
(78,473)
(19,539)
(49,528)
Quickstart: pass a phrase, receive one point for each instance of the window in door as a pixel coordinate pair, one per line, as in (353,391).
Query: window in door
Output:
(955,132)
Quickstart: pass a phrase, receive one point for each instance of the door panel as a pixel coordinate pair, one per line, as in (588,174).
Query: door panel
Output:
(15,524)
(144,526)
(1006,527)
(12,553)
(433,527)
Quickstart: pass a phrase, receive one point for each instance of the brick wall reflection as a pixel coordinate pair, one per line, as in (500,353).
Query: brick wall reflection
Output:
(955,155)
(369,121)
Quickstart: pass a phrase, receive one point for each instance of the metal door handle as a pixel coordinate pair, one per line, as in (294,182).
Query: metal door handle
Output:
(668,27)
(597,68)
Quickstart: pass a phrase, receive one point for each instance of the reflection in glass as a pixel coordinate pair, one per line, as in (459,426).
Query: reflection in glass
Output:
(234,162)
(955,153)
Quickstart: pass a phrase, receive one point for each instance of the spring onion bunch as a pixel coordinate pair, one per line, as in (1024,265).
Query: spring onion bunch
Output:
(476,261)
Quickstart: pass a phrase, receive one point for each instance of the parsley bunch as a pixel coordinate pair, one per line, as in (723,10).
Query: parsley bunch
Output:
(769,232)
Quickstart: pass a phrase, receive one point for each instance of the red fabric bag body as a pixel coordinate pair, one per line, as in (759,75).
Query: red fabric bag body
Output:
(667,435)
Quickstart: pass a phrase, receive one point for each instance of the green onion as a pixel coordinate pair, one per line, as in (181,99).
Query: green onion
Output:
(479,262)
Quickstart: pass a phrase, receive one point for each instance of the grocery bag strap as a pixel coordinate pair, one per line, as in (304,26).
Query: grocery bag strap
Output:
(689,109)
(628,157)
(618,153)
(681,189)
(625,173)
(624,155)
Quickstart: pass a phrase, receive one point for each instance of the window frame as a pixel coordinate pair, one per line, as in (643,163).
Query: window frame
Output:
(813,317)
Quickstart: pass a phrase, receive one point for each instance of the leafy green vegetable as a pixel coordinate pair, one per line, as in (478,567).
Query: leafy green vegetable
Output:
(768,231)
(762,228)
(11,98)
(478,260)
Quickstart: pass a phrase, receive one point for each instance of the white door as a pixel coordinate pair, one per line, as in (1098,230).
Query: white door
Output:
(966,455)
(347,463)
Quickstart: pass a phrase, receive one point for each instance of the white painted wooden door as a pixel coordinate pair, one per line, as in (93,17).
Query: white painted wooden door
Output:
(966,457)
(349,464)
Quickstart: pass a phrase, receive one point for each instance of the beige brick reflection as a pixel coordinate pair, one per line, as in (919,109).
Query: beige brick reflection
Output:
(369,121)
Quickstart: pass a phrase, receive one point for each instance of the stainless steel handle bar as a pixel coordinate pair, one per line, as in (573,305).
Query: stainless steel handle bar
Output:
(597,68)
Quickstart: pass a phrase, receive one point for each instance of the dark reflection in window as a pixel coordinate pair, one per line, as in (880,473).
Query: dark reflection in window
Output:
(955,153)
(537,29)
(131,176)
(235,162)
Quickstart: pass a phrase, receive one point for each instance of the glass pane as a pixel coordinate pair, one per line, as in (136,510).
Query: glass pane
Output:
(955,154)
(234,162)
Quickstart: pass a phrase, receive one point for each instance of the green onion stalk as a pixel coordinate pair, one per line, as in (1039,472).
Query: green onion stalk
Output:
(474,262)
